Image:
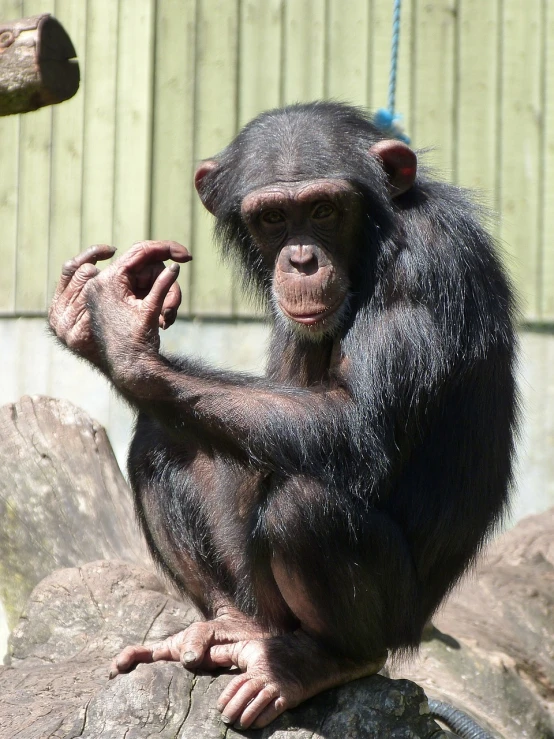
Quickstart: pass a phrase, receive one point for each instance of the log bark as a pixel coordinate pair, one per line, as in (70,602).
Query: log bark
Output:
(77,619)
(37,64)
(63,499)
(492,654)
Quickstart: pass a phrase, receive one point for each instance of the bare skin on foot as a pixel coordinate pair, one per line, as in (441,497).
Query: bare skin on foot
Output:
(279,673)
(192,646)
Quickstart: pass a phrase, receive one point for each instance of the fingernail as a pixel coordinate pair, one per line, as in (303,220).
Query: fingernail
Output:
(188,658)
(226,720)
(112,674)
(174,267)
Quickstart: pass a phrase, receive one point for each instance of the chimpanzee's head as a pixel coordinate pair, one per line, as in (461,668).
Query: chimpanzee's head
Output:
(295,192)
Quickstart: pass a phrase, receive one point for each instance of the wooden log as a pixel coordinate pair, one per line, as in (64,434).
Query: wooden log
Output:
(63,499)
(37,64)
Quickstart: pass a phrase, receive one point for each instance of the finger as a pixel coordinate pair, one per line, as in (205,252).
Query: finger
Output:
(146,252)
(154,301)
(93,254)
(170,306)
(72,293)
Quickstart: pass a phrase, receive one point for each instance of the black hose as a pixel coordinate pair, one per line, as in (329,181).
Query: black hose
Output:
(458,721)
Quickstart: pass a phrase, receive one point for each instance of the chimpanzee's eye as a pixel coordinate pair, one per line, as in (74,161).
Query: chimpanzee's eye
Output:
(323,210)
(273,216)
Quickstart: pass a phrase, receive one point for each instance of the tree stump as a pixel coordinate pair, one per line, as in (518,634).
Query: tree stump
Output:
(63,499)
(37,64)
(78,619)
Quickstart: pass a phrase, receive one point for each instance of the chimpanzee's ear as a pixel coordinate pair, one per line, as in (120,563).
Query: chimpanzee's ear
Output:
(202,183)
(399,162)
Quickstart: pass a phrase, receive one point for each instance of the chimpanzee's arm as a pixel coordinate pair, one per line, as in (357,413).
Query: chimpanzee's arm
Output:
(285,428)
(251,417)
(282,427)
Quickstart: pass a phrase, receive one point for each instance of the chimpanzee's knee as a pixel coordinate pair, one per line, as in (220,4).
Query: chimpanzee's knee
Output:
(346,565)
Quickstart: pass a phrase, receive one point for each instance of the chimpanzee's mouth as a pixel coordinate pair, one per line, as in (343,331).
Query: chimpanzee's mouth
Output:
(310,319)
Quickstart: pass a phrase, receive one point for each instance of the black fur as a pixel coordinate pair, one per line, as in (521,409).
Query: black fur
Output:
(381,502)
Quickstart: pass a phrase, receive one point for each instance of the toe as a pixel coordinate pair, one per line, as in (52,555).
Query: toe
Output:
(273,709)
(230,691)
(129,657)
(268,697)
(249,692)
(195,643)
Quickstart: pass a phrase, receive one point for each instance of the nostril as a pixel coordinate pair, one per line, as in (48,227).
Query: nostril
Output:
(305,267)
(302,255)
(303,262)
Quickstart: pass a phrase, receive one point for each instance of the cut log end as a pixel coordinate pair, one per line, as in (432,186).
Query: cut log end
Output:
(38,64)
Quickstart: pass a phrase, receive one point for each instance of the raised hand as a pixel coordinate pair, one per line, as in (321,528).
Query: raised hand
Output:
(113,317)
(68,316)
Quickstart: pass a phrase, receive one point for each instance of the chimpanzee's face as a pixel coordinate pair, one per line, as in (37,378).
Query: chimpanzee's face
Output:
(306,233)
(273,199)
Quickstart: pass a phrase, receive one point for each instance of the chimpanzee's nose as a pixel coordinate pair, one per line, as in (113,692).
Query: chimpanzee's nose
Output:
(302,257)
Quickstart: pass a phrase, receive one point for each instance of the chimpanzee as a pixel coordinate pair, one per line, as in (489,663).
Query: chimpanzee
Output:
(317,515)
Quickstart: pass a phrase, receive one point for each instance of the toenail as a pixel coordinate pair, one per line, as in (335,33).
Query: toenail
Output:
(188,658)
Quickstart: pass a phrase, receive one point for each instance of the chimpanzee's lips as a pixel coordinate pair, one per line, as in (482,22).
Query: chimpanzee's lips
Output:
(310,319)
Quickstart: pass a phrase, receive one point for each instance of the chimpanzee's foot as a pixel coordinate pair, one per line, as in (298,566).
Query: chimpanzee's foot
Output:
(191,646)
(279,673)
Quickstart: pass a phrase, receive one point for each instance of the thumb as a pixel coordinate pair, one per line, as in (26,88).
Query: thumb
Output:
(154,301)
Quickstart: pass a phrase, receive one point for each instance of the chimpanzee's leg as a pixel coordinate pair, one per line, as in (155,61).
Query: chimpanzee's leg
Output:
(196,513)
(345,571)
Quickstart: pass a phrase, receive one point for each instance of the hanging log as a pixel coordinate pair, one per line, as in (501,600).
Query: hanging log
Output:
(37,64)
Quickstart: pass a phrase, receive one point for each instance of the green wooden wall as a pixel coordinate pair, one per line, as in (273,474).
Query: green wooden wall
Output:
(168,82)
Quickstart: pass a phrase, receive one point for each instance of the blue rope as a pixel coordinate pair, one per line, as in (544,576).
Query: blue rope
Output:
(386,119)
(394,54)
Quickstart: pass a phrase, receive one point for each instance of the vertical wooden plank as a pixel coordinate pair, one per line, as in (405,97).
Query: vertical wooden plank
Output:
(520,146)
(99,91)
(260,57)
(381,41)
(67,153)
(434,81)
(34,199)
(404,86)
(348,50)
(259,85)
(304,50)
(380,61)
(9,166)
(477,112)
(133,122)
(547,260)
(173,138)
(215,126)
